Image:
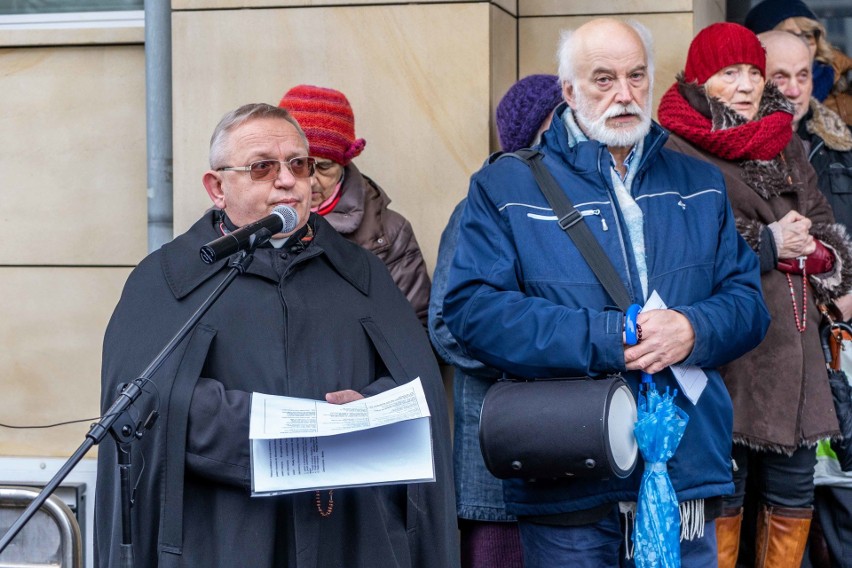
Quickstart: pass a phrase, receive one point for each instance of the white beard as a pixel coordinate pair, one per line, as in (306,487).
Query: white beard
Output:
(595,128)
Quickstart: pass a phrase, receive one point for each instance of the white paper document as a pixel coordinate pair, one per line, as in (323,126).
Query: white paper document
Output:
(301,444)
(691,379)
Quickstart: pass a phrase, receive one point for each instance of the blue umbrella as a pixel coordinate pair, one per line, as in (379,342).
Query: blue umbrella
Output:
(659,429)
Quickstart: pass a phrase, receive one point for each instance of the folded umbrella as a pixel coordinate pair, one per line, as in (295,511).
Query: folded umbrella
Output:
(659,429)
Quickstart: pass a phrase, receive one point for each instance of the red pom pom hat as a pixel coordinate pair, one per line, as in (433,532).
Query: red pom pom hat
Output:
(326,117)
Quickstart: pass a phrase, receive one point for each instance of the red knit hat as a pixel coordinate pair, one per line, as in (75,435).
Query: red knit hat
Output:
(326,118)
(720,45)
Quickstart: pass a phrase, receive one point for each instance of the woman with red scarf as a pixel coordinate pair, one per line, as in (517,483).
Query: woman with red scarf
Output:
(722,109)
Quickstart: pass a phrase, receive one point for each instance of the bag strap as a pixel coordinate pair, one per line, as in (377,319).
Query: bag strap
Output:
(832,333)
(573,224)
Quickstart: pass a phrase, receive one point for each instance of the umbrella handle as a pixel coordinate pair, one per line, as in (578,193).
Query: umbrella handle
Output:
(647,382)
(630,335)
(631,338)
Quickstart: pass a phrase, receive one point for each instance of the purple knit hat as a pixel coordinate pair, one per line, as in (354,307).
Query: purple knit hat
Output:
(522,110)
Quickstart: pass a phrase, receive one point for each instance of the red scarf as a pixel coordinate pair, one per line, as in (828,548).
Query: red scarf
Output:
(761,139)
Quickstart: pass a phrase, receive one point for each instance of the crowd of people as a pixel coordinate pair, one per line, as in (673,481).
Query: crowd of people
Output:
(749,168)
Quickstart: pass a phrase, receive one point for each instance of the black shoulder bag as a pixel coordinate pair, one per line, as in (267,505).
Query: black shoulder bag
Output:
(836,337)
(565,427)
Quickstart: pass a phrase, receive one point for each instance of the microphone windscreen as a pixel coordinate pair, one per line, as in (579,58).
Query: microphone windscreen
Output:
(289,217)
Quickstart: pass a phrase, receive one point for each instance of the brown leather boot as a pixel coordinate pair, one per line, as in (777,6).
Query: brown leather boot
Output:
(782,534)
(728,536)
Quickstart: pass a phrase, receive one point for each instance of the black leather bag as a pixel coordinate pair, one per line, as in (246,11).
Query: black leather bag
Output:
(557,428)
(577,427)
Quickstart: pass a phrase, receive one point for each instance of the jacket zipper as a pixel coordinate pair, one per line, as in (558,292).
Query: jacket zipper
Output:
(815,149)
(637,182)
(596,212)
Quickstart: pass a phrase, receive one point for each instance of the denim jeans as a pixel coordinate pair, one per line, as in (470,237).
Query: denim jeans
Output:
(601,545)
(479,495)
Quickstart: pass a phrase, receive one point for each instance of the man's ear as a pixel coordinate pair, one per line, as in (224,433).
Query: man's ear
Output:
(568,94)
(212,181)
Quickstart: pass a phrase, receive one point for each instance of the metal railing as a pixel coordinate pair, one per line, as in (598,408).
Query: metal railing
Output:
(51,538)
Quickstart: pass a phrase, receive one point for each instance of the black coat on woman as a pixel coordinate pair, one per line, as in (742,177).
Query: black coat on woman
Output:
(314,317)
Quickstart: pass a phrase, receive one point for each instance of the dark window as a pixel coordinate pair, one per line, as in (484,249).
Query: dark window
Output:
(57,6)
(835,15)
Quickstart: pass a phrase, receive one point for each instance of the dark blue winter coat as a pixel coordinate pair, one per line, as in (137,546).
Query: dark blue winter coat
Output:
(522,299)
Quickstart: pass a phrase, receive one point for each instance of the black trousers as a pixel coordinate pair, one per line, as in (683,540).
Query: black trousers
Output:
(773,478)
(768,478)
(833,507)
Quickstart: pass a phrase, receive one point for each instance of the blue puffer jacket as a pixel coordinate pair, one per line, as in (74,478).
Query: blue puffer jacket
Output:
(522,299)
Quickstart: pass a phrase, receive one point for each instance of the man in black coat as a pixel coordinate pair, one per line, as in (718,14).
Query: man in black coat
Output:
(827,139)
(313,317)
(829,144)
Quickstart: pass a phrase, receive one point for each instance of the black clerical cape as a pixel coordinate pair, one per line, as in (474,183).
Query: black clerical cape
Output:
(319,316)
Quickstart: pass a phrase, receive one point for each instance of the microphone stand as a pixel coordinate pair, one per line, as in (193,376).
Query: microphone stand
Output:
(120,425)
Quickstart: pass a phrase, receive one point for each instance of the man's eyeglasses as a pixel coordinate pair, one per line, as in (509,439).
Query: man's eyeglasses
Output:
(265,170)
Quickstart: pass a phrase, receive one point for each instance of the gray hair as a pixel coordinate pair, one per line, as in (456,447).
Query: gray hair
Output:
(565,53)
(238,117)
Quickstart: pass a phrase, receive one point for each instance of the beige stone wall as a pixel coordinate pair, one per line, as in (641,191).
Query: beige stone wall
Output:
(72,180)
(422,78)
(672,23)
(418,77)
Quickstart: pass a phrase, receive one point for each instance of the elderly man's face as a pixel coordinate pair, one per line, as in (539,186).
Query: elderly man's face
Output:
(788,66)
(610,95)
(245,200)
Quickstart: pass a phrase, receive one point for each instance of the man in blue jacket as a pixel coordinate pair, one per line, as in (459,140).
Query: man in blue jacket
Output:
(521,298)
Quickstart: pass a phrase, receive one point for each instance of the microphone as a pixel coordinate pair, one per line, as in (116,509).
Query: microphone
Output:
(282,220)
